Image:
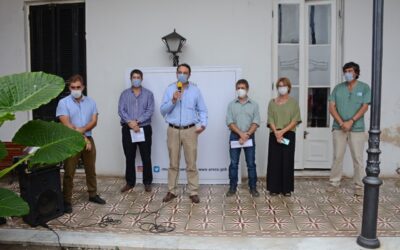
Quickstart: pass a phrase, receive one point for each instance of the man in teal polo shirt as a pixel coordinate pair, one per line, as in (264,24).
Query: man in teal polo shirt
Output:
(348,103)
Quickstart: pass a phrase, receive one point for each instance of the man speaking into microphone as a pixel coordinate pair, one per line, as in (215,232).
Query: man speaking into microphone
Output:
(185,112)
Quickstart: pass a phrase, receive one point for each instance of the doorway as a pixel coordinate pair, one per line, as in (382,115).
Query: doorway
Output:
(306,51)
(57,45)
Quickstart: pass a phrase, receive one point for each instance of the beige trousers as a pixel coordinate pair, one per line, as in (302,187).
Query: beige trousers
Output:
(356,141)
(186,138)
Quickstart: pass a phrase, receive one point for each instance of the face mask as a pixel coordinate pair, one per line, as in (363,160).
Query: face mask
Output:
(348,76)
(283,90)
(136,83)
(241,93)
(183,78)
(76,93)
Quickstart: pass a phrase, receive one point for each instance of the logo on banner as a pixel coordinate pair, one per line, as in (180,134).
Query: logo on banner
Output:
(156,169)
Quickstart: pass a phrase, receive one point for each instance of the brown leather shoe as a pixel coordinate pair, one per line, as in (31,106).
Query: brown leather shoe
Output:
(195,198)
(126,188)
(147,188)
(170,196)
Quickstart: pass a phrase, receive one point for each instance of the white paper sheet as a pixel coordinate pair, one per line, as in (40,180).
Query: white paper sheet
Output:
(137,137)
(236,144)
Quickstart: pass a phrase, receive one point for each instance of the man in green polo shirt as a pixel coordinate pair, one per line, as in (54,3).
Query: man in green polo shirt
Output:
(348,103)
(243,119)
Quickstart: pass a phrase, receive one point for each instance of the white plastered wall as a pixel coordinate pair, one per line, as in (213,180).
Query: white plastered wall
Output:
(218,33)
(12,54)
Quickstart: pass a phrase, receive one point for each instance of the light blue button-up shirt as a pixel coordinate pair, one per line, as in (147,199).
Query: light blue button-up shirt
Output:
(190,109)
(79,113)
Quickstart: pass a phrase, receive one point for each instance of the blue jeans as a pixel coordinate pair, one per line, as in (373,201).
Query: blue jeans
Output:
(250,155)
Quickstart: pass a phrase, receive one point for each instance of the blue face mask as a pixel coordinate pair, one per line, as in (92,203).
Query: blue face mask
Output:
(183,78)
(136,83)
(348,76)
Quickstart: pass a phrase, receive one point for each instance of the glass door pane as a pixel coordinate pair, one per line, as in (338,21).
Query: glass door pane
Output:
(288,44)
(319,64)
(288,24)
(317,112)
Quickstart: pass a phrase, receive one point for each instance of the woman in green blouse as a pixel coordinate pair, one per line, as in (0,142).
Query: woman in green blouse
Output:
(283,117)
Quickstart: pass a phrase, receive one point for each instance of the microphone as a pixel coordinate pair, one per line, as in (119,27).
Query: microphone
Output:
(179,86)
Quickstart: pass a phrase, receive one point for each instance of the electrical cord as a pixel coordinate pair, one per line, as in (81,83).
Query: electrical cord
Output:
(52,230)
(107,220)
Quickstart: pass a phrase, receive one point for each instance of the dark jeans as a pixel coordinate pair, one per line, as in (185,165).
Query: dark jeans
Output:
(130,154)
(250,155)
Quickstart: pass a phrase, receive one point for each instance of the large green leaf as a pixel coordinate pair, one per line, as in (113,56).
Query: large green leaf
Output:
(26,91)
(11,204)
(3,150)
(56,142)
(6,117)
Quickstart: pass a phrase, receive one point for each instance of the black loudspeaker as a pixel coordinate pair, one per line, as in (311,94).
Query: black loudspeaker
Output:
(41,189)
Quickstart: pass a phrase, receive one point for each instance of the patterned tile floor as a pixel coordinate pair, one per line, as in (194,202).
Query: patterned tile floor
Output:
(309,212)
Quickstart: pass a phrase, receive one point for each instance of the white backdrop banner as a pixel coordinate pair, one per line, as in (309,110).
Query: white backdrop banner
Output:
(217,85)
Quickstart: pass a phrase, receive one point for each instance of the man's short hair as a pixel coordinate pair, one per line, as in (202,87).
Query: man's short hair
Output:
(137,71)
(354,66)
(243,81)
(184,65)
(75,78)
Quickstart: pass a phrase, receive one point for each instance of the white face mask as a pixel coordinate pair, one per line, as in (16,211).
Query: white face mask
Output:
(241,93)
(283,90)
(76,93)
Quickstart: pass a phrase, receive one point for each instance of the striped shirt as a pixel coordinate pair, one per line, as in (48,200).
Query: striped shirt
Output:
(139,108)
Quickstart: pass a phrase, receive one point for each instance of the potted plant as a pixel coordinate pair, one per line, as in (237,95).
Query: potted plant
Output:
(54,142)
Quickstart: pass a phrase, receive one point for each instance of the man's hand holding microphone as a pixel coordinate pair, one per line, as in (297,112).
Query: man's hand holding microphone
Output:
(178,93)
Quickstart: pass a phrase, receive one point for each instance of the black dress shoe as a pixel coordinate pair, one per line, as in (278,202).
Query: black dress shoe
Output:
(147,188)
(3,221)
(195,198)
(97,199)
(273,194)
(254,193)
(67,208)
(231,192)
(170,196)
